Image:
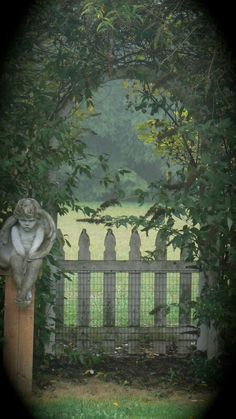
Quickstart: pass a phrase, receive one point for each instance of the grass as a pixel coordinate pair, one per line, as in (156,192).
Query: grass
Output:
(121,307)
(70,408)
(72,229)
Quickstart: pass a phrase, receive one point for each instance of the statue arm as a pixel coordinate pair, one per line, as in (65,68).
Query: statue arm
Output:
(38,240)
(49,230)
(44,250)
(16,241)
(5,230)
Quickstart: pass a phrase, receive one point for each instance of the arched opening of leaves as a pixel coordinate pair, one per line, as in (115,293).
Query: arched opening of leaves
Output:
(183,69)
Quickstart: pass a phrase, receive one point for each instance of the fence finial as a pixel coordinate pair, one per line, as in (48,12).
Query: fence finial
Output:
(135,244)
(160,247)
(110,246)
(84,243)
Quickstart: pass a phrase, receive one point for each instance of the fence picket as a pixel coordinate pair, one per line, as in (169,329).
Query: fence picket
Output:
(160,293)
(134,290)
(185,290)
(160,287)
(84,283)
(109,282)
(60,284)
(84,243)
(202,342)
(56,312)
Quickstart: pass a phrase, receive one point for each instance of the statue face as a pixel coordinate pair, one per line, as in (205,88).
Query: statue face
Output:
(27,224)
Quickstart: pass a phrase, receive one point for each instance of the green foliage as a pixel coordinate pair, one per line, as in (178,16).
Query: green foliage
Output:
(45,310)
(205,371)
(183,76)
(40,103)
(186,82)
(88,360)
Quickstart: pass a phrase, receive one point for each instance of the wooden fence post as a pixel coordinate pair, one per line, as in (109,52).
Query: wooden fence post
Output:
(109,290)
(84,290)
(60,295)
(160,293)
(213,347)
(185,290)
(203,336)
(134,293)
(18,340)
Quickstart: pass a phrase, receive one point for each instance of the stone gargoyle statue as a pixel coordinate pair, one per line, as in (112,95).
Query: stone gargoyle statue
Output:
(25,239)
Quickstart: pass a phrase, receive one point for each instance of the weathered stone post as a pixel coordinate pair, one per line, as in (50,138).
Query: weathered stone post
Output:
(25,238)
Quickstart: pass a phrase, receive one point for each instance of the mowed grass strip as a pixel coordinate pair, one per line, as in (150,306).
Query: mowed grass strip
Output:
(117,409)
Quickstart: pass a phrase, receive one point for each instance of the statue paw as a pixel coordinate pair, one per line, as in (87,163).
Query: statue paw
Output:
(23,303)
(29,296)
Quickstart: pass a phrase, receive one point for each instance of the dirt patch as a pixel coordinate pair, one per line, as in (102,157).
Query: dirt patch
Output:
(148,379)
(92,389)
(95,389)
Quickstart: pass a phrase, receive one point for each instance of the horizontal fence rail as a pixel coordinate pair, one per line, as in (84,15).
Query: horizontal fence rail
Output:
(126,307)
(126,266)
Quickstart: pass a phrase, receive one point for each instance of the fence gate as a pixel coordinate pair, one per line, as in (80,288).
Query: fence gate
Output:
(126,307)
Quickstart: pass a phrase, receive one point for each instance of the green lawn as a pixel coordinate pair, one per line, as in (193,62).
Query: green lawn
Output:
(117,409)
(121,309)
(97,233)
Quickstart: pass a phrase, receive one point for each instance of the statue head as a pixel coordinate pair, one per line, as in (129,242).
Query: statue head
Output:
(27,208)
